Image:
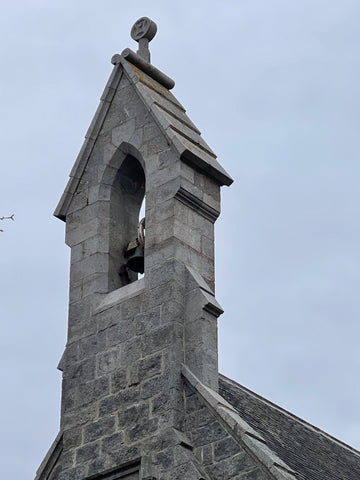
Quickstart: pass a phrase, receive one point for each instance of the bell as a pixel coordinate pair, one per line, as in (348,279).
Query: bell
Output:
(136,260)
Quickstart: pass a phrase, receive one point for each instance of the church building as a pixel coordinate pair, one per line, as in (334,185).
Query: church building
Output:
(142,398)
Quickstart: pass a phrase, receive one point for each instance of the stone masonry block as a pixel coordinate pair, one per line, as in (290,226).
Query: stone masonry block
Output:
(97,466)
(157,145)
(161,212)
(76,473)
(108,361)
(151,130)
(109,317)
(199,418)
(172,311)
(79,416)
(200,224)
(96,244)
(225,448)
(113,442)
(68,458)
(253,474)
(123,132)
(229,468)
(165,272)
(131,351)
(97,263)
(163,294)
(137,138)
(90,346)
(188,172)
(165,459)
(123,455)
(76,253)
(80,327)
(150,366)
(142,430)
(128,396)
(163,192)
(168,383)
(147,321)
(79,200)
(72,437)
(181,212)
(117,334)
(82,370)
(191,402)
(153,386)
(156,253)
(76,293)
(207,247)
(78,233)
(207,454)
(132,374)
(133,415)
(187,235)
(96,283)
(87,452)
(92,391)
(161,403)
(161,177)
(130,308)
(71,354)
(209,186)
(158,339)
(107,406)
(96,430)
(122,399)
(118,380)
(89,213)
(209,200)
(159,232)
(68,397)
(186,471)
(208,434)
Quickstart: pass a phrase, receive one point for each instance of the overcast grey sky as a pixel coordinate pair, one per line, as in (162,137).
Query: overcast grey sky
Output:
(273,86)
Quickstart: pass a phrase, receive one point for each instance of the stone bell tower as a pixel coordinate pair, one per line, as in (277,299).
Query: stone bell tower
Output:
(129,339)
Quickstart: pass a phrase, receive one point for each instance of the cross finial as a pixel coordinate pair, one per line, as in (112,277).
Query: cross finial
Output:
(143,31)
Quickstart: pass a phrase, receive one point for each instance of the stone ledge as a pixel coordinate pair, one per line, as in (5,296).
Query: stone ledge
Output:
(196,204)
(121,294)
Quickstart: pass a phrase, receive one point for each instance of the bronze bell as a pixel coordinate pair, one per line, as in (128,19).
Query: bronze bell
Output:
(136,260)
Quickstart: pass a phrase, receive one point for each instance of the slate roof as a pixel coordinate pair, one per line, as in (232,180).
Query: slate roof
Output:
(310,452)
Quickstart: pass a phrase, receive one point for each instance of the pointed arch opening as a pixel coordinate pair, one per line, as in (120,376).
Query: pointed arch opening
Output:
(126,198)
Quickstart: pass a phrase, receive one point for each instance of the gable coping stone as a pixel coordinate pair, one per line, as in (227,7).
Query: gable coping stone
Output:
(254,442)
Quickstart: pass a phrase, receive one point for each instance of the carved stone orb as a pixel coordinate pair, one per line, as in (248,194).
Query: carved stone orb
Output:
(143,28)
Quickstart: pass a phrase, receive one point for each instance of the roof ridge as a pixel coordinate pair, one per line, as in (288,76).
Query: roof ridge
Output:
(292,415)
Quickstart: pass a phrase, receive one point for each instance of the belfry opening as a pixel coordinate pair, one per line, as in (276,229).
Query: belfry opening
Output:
(127,195)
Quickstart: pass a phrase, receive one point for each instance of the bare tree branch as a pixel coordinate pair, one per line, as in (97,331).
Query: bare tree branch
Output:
(11,217)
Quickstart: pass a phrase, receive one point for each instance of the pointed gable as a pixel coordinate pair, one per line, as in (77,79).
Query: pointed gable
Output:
(152,88)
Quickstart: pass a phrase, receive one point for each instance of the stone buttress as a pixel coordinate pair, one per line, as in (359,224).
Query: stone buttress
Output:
(141,352)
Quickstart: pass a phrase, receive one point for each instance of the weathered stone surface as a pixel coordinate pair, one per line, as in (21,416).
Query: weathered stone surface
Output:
(123,394)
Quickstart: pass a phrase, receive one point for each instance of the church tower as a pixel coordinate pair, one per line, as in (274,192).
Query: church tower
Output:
(141,393)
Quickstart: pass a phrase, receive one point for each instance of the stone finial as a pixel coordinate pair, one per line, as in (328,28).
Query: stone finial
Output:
(143,31)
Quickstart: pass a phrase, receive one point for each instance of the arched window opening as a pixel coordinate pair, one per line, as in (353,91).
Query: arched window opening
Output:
(142,227)
(127,196)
